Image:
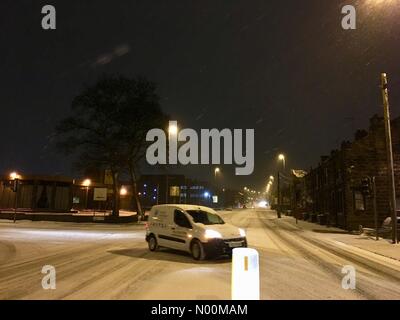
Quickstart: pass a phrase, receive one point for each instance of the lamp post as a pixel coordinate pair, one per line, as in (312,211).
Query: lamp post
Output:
(282,158)
(389,156)
(269,187)
(87,183)
(216,171)
(15,177)
(173,149)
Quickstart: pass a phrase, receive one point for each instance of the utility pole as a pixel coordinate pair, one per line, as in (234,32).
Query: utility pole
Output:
(373,181)
(15,189)
(166,188)
(389,152)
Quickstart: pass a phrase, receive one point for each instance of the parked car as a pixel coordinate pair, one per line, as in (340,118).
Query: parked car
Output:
(195,229)
(387,224)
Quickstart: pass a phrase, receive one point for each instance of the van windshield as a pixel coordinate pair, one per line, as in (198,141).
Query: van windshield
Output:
(204,217)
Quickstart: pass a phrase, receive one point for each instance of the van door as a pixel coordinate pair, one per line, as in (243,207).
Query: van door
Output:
(182,227)
(159,222)
(177,235)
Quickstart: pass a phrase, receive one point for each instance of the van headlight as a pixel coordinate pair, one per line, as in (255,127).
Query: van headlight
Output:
(242,232)
(211,234)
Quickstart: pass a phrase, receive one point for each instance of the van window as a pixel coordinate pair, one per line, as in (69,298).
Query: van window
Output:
(204,217)
(181,220)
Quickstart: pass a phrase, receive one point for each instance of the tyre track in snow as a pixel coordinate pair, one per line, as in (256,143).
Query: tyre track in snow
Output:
(305,252)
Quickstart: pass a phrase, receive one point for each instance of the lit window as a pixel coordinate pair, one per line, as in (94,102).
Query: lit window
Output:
(359,201)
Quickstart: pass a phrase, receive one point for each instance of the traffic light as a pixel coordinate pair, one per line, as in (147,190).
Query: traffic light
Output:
(366,187)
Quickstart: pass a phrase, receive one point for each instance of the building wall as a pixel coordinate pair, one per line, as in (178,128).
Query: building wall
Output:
(334,186)
(36,193)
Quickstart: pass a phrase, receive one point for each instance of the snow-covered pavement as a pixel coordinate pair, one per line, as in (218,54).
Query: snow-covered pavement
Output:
(95,261)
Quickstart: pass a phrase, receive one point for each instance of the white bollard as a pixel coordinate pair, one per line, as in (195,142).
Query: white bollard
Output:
(245,274)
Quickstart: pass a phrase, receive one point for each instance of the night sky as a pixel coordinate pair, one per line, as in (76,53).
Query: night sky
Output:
(285,68)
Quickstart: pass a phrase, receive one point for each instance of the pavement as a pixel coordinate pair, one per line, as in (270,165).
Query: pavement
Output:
(383,247)
(122,213)
(99,261)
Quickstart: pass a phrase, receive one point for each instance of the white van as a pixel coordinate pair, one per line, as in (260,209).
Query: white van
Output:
(195,229)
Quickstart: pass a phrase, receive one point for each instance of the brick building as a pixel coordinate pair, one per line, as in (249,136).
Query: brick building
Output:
(333,188)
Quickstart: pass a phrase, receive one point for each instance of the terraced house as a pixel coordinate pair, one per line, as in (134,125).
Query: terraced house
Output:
(333,189)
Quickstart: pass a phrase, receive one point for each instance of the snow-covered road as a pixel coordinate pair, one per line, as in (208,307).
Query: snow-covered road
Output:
(95,261)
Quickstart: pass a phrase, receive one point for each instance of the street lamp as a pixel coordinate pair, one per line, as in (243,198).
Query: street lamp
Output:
(173,128)
(389,156)
(216,171)
(14,175)
(86,183)
(281,157)
(172,152)
(123,191)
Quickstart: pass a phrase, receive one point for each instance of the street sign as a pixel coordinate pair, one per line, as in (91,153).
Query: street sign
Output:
(215,199)
(100,194)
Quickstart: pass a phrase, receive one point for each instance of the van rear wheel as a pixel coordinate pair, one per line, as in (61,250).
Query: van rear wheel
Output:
(197,250)
(153,245)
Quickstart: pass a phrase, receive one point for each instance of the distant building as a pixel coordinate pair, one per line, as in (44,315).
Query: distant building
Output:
(36,193)
(62,194)
(158,189)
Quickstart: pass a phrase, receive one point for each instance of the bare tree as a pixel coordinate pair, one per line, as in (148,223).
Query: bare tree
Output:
(108,128)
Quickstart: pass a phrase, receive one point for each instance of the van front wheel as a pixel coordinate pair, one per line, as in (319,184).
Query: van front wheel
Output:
(153,245)
(197,250)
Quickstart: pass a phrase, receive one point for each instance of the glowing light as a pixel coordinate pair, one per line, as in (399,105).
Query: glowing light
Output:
(123,191)
(262,204)
(86,182)
(211,234)
(173,129)
(281,157)
(14,175)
